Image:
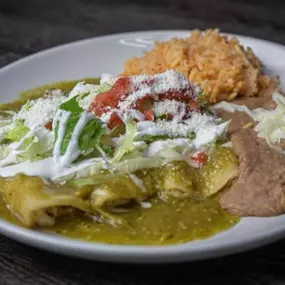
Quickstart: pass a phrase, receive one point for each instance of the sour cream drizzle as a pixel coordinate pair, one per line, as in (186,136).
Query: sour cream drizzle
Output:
(47,168)
(61,118)
(58,165)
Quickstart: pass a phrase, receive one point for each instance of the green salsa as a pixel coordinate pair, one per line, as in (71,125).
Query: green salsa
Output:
(169,222)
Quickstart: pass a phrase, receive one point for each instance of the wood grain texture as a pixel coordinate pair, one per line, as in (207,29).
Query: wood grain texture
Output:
(28,26)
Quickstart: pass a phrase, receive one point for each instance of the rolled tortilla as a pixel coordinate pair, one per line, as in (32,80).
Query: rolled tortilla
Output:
(35,203)
(118,192)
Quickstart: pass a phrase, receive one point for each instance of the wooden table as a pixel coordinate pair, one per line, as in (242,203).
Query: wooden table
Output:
(28,26)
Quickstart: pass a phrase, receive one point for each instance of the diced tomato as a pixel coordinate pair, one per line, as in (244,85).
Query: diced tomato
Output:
(148,82)
(201,158)
(111,98)
(144,104)
(181,95)
(194,106)
(124,86)
(49,126)
(149,115)
(115,121)
(169,116)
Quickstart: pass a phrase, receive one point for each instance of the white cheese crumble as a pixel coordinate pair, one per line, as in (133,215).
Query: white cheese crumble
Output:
(108,78)
(173,107)
(197,89)
(163,82)
(105,117)
(37,113)
(178,129)
(82,88)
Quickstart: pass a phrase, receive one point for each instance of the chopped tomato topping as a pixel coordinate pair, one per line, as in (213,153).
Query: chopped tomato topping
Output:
(115,121)
(194,106)
(169,116)
(124,86)
(181,95)
(144,104)
(49,126)
(201,158)
(149,115)
(112,97)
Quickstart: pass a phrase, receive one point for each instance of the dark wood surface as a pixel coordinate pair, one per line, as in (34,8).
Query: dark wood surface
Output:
(30,26)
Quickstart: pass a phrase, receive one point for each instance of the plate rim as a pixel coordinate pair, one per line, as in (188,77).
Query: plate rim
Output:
(130,253)
(114,35)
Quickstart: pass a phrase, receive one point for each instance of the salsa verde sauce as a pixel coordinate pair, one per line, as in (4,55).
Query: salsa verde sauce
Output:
(165,222)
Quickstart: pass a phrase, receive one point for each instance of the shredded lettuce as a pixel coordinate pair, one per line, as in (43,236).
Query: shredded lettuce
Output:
(270,123)
(18,132)
(91,135)
(150,138)
(6,123)
(134,164)
(163,137)
(37,146)
(32,145)
(92,175)
(19,129)
(94,180)
(4,151)
(6,118)
(104,87)
(88,94)
(83,175)
(27,105)
(128,144)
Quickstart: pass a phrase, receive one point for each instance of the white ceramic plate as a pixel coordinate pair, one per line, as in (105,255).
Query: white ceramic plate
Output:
(90,58)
